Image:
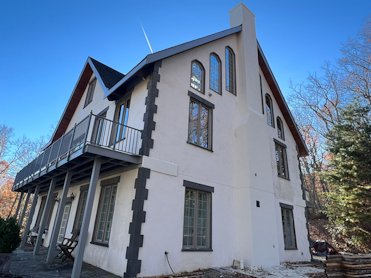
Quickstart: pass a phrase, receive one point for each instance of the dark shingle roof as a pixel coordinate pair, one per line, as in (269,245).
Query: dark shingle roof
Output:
(109,76)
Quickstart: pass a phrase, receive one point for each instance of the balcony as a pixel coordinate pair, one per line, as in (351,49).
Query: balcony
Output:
(117,144)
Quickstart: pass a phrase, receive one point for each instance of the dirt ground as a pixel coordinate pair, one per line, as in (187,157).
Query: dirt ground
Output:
(299,270)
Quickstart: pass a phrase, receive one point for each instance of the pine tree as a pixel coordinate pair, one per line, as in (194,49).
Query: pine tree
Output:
(349,177)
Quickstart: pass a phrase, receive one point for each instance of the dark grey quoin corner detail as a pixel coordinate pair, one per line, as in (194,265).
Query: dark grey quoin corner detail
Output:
(151,109)
(133,266)
(139,216)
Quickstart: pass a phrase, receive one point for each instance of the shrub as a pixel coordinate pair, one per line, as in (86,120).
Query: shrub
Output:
(9,235)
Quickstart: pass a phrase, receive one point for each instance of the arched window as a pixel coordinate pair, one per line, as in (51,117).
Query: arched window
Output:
(197,76)
(269,110)
(215,73)
(230,70)
(280,131)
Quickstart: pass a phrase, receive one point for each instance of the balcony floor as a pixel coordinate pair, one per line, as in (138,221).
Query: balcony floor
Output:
(80,163)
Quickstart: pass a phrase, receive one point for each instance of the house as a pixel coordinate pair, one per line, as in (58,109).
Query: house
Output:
(190,158)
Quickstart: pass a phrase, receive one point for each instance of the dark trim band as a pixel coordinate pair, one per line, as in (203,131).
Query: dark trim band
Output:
(110,181)
(200,99)
(282,205)
(197,186)
(279,143)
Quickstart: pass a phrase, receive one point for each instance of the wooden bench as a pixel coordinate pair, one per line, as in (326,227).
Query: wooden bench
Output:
(67,246)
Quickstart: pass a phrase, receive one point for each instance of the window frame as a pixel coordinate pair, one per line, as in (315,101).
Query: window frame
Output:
(219,65)
(208,105)
(113,183)
(230,69)
(261,92)
(290,210)
(90,93)
(202,89)
(196,187)
(120,124)
(285,164)
(80,209)
(280,128)
(268,97)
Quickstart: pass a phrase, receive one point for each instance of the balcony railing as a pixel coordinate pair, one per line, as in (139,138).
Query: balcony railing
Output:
(93,130)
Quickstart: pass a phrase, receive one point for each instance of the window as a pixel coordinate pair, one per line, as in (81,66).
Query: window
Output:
(90,93)
(281,159)
(48,215)
(215,73)
(288,226)
(280,131)
(200,122)
(122,119)
(64,222)
(197,217)
(230,70)
(39,214)
(269,110)
(80,209)
(103,221)
(261,92)
(197,76)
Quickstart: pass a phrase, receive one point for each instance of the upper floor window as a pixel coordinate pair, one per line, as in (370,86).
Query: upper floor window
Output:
(215,73)
(122,119)
(200,122)
(90,93)
(269,110)
(230,70)
(280,131)
(281,160)
(197,76)
(261,92)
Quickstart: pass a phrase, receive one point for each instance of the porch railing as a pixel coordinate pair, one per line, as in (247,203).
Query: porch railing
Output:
(93,130)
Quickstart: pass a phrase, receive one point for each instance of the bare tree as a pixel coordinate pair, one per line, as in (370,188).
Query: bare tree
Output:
(318,103)
(14,154)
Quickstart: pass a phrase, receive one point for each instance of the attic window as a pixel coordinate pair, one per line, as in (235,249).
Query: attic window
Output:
(90,93)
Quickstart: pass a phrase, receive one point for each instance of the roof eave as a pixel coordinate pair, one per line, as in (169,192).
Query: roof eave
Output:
(166,53)
(303,150)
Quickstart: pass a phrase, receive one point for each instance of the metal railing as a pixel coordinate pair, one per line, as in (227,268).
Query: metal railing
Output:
(93,130)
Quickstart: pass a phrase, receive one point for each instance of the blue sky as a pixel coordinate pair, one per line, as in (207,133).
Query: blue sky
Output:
(44,44)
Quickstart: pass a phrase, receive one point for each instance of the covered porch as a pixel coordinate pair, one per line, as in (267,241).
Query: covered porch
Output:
(96,147)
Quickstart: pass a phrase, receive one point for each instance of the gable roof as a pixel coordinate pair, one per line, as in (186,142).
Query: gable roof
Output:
(108,75)
(166,53)
(107,78)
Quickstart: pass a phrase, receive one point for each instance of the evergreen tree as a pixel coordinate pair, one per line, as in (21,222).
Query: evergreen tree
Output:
(349,177)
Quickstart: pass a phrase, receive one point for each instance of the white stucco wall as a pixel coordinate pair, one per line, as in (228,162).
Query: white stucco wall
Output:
(241,168)
(100,103)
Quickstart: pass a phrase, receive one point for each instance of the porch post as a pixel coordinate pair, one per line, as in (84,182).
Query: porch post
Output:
(58,219)
(30,216)
(18,205)
(47,208)
(20,220)
(77,265)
